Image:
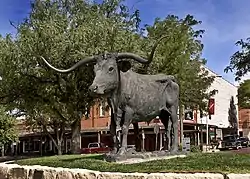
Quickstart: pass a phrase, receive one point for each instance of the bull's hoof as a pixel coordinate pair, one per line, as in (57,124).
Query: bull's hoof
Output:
(114,157)
(110,157)
(122,151)
(174,151)
(114,151)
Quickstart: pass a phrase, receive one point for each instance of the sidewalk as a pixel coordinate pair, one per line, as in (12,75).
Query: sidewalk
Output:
(11,158)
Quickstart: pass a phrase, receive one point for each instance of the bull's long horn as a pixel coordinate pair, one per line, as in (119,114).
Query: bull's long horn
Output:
(77,65)
(140,59)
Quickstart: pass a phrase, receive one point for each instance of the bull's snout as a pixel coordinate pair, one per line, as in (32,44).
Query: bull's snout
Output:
(93,88)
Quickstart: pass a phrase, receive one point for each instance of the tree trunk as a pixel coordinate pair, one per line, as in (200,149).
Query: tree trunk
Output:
(76,136)
(57,141)
(59,147)
(2,150)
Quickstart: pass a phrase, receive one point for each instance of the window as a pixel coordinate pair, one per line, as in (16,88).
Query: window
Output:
(24,146)
(93,145)
(36,145)
(68,145)
(97,112)
(102,110)
(188,113)
(50,145)
(31,145)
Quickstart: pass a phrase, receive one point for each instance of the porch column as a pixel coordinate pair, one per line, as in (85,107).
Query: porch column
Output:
(215,132)
(80,140)
(202,138)
(23,146)
(198,135)
(143,140)
(99,136)
(160,139)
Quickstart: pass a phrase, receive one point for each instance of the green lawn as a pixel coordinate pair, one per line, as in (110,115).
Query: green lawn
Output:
(226,162)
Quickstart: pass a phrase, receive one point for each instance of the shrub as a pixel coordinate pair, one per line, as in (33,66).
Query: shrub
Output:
(195,148)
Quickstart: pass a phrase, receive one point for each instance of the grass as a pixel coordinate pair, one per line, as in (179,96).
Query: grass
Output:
(225,162)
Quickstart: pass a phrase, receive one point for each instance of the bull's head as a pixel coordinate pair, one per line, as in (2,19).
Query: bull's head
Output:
(107,69)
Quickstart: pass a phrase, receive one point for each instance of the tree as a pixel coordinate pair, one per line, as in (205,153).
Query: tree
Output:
(47,124)
(244,95)
(62,32)
(180,55)
(232,116)
(240,60)
(8,131)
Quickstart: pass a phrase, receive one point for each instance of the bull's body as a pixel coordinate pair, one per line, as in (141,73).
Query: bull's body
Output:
(145,96)
(141,98)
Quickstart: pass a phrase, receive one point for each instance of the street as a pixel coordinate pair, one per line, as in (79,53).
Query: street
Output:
(244,150)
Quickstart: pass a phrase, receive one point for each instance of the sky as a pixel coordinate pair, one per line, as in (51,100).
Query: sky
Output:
(224,22)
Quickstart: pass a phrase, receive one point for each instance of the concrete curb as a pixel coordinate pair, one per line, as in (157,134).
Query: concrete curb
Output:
(14,171)
(137,160)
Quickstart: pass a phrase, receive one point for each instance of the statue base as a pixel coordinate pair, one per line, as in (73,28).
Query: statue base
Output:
(133,155)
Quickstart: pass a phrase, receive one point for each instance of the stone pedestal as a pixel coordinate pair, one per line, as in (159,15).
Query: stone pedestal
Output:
(139,155)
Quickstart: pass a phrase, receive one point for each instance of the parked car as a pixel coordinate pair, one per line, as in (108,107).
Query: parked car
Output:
(230,142)
(244,141)
(95,148)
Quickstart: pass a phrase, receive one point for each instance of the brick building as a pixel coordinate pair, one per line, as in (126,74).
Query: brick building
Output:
(95,128)
(244,122)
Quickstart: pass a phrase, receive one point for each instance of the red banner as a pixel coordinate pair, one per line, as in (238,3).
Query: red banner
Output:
(211,104)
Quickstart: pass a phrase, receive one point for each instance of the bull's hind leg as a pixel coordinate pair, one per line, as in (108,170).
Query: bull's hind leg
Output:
(164,116)
(174,119)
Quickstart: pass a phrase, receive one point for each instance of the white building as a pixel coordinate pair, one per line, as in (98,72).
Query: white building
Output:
(225,90)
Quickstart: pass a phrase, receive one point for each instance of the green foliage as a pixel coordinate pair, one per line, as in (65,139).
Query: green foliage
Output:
(180,147)
(239,61)
(232,116)
(62,32)
(195,149)
(244,95)
(8,131)
(180,55)
(200,162)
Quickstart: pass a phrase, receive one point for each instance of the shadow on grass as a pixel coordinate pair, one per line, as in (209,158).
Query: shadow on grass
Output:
(93,157)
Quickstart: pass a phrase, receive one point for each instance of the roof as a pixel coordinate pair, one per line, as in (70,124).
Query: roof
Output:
(219,75)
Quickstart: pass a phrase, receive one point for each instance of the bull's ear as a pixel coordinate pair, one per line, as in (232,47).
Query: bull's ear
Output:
(124,65)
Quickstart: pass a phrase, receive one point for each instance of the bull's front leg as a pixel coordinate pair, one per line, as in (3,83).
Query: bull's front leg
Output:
(125,128)
(118,120)
(169,135)
(114,134)
(174,118)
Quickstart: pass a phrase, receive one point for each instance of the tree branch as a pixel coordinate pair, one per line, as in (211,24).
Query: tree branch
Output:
(12,24)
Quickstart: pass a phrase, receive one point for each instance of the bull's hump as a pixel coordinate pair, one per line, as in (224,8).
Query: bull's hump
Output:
(157,78)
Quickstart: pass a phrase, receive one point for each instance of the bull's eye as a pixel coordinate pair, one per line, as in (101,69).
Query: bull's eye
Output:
(111,69)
